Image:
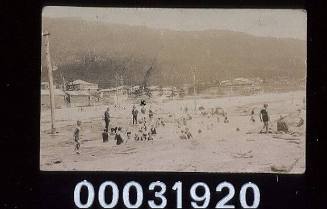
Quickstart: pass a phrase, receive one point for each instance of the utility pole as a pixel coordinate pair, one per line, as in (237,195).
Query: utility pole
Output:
(116,78)
(194,90)
(51,89)
(63,82)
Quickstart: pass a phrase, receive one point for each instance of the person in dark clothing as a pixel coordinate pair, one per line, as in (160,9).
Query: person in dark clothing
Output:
(150,114)
(153,130)
(150,138)
(76,136)
(118,137)
(107,118)
(264,117)
(114,130)
(134,114)
(252,115)
(188,133)
(226,118)
(105,135)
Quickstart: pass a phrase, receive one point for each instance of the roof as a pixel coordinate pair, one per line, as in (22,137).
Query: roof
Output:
(56,92)
(153,87)
(135,87)
(82,82)
(108,90)
(169,88)
(114,89)
(236,81)
(242,80)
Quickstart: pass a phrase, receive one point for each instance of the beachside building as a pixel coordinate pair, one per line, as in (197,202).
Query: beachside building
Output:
(59,97)
(155,90)
(45,85)
(115,95)
(240,86)
(79,98)
(80,85)
(111,92)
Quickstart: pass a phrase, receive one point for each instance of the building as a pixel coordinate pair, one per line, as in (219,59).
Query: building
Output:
(80,85)
(240,86)
(115,95)
(79,98)
(155,90)
(59,97)
(111,92)
(45,85)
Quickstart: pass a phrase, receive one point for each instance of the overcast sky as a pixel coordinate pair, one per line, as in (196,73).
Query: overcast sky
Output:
(261,22)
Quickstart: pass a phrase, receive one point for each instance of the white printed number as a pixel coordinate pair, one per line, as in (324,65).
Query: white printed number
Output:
(158,194)
(77,194)
(199,192)
(228,197)
(256,195)
(139,195)
(205,197)
(115,194)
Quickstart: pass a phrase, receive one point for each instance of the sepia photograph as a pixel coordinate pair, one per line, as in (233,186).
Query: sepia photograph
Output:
(173,90)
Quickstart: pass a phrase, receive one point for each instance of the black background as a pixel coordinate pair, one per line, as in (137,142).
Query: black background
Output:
(24,186)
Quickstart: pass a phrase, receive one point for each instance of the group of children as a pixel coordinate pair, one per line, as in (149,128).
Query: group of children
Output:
(144,133)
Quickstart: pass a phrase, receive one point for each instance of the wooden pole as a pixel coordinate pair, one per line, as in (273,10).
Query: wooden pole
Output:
(194,90)
(50,77)
(117,89)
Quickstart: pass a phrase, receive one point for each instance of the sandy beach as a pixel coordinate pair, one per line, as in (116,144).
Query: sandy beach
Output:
(216,146)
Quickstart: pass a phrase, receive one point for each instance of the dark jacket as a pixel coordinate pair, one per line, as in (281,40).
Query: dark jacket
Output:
(106,116)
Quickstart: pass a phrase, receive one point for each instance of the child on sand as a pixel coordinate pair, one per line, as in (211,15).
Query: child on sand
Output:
(76,136)
(252,115)
(105,135)
(150,114)
(226,118)
(118,137)
(264,117)
(188,133)
(153,130)
(129,136)
(134,114)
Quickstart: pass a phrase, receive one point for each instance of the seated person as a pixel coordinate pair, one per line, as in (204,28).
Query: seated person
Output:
(188,133)
(114,130)
(183,135)
(226,120)
(150,136)
(153,130)
(137,137)
(105,135)
(118,137)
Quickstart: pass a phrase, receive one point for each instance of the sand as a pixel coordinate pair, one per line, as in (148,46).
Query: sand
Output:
(236,146)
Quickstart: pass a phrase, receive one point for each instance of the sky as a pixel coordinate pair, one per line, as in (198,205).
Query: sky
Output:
(279,23)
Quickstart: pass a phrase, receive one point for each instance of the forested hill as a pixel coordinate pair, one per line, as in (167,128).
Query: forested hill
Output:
(95,51)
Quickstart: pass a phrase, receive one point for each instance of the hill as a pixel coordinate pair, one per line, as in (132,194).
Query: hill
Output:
(95,52)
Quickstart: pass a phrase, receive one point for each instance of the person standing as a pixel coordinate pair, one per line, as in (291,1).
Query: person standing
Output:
(252,115)
(76,136)
(134,114)
(107,118)
(264,117)
(150,114)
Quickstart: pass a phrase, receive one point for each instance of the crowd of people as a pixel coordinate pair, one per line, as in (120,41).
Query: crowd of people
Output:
(145,125)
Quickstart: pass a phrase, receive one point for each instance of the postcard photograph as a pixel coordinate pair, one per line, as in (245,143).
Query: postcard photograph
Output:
(173,90)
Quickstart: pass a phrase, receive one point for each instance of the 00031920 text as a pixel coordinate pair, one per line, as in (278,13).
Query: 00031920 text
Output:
(198,201)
